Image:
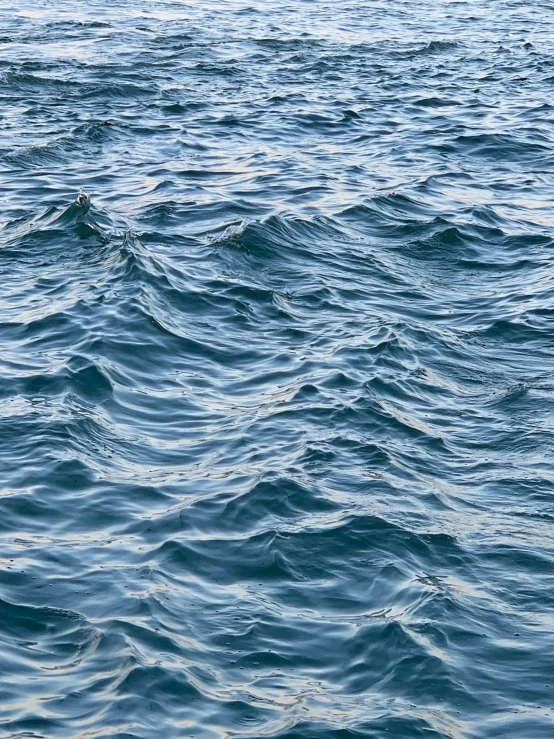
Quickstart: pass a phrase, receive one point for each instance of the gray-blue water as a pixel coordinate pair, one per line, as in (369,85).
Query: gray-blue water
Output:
(276,412)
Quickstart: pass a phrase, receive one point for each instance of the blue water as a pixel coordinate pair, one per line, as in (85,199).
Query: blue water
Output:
(276,412)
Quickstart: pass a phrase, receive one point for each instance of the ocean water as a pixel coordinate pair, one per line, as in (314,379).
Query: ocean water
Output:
(276,411)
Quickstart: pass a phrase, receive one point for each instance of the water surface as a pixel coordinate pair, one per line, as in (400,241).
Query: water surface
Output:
(276,418)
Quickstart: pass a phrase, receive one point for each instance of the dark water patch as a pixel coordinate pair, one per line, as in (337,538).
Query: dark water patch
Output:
(501,147)
(78,24)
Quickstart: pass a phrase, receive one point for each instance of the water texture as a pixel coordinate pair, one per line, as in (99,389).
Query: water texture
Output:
(276,413)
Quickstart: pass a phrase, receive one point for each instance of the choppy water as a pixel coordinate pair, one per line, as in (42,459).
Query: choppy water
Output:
(276,422)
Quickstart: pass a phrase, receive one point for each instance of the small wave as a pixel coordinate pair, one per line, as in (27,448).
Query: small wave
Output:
(501,147)
(49,227)
(78,24)
(431,47)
